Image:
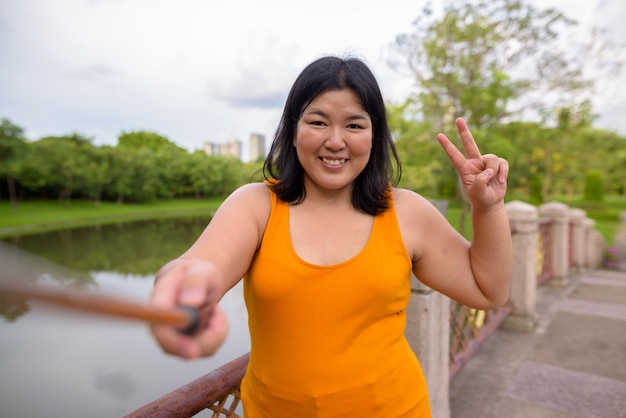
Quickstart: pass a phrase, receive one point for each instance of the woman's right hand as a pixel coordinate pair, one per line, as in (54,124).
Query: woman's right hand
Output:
(195,284)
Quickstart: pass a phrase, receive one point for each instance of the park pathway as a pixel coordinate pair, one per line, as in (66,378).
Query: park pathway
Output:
(572,365)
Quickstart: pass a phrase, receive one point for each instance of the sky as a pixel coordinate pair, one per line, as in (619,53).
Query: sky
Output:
(198,70)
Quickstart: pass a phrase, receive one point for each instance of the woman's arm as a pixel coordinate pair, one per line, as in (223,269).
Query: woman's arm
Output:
(218,259)
(477,274)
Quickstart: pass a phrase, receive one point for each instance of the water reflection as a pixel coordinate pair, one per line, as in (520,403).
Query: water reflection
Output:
(62,364)
(117,384)
(136,248)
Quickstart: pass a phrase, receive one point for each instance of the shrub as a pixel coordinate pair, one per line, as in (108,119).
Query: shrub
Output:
(594,186)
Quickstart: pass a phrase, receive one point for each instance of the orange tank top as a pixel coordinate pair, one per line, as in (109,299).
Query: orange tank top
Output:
(328,341)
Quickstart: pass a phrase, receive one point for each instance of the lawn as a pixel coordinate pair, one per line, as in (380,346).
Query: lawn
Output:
(45,215)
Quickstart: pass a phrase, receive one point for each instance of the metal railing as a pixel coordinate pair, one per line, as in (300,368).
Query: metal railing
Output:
(469,329)
(217,391)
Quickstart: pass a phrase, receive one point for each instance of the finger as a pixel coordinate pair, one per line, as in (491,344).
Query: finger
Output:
(492,162)
(503,170)
(469,144)
(204,342)
(456,156)
(483,179)
(173,342)
(196,288)
(191,285)
(212,337)
(166,287)
(500,166)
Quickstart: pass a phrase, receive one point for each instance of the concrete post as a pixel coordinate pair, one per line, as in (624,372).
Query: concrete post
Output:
(577,238)
(588,225)
(558,212)
(619,242)
(428,333)
(596,248)
(523,218)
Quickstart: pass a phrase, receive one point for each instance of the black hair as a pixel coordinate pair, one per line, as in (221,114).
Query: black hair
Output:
(370,193)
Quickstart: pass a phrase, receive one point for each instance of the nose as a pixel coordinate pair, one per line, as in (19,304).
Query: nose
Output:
(335,140)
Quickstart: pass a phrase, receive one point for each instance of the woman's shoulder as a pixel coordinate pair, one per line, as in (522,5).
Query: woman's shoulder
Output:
(256,187)
(256,192)
(418,218)
(251,198)
(408,203)
(250,202)
(405,197)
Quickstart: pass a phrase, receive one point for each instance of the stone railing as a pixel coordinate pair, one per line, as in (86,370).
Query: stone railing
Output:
(573,245)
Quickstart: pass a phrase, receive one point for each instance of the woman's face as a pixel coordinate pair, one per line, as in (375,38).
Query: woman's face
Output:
(333,140)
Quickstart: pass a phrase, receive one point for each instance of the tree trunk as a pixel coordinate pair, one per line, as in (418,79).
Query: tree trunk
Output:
(12,194)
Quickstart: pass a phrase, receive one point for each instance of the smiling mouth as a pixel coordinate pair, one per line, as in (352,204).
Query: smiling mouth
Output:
(332,161)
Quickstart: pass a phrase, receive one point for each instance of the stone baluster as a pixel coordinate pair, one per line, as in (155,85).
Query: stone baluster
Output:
(588,225)
(596,249)
(428,333)
(523,218)
(577,239)
(560,246)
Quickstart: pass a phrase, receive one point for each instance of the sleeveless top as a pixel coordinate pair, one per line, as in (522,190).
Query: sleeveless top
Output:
(328,341)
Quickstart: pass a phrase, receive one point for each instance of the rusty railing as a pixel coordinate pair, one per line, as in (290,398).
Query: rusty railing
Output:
(469,329)
(217,391)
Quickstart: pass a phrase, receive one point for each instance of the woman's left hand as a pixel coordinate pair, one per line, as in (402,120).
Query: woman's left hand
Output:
(483,176)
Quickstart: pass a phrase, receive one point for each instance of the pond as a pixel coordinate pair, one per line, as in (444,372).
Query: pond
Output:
(60,363)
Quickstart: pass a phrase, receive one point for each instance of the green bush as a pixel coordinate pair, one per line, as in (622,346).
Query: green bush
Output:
(594,186)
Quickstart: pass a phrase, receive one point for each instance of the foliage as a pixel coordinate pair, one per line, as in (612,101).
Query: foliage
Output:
(594,186)
(491,60)
(143,167)
(523,79)
(12,149)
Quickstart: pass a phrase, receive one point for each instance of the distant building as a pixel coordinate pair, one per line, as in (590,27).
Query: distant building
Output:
(227,149)
(257,147)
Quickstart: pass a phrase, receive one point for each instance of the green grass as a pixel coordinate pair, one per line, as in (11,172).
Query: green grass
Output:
(45,215)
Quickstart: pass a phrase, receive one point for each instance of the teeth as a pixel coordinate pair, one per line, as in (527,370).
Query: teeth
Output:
(333,162)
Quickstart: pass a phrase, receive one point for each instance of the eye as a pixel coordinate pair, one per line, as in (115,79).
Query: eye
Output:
(317,123)
(355,126)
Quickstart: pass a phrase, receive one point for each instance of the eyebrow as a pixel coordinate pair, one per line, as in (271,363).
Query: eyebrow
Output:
(324,114)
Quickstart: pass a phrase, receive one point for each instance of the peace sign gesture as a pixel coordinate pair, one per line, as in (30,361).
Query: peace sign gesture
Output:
(483,176)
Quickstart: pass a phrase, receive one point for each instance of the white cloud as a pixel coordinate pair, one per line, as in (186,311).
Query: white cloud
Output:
(193,70)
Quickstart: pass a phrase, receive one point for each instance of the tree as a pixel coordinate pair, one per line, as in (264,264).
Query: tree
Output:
(422,159)
(12,149)
(96,173)
(497,61)
(120,173)
(68,158)
(144,139)
(169,160)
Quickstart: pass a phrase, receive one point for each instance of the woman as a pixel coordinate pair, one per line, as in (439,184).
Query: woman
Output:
(326,247)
